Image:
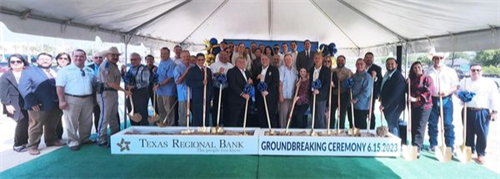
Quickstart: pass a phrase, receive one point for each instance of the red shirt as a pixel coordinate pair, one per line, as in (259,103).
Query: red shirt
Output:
(422,88)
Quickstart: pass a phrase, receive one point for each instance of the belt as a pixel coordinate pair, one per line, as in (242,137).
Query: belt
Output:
(476,109)
(78,96)
(109,89)
(443,96)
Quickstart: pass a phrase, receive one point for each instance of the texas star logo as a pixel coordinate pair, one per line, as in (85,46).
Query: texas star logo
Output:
(123,145)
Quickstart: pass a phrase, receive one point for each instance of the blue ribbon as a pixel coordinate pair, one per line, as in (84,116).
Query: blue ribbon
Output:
(250,90)
(348,83)
(262,86)
(466,96)
(317,84)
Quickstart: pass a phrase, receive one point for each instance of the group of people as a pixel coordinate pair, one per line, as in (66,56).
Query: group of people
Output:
(37,97)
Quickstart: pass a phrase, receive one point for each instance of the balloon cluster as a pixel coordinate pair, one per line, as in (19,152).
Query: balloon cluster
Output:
(221,79)
(317,84)
(250,90)
(330,49)
(262,86)
(348,83)
(213,48)
(466,96)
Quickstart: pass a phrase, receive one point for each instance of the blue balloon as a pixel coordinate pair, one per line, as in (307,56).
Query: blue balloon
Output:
(317,84)
(222,79)
(262,86)
(323,47)
(334,50)
(213,41)
(348,83)
(216,51)
(250,90)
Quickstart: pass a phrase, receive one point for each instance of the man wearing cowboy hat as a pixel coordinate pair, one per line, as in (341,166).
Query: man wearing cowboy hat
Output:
(446,83)
(109,77)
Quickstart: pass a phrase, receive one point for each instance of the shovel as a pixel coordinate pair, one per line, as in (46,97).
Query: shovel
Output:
(443,153)
(188,130)
(155,117)
(464,153)
(409,152)
(293,106)
(312,133)
(328,131)
(217,128)
(245,118)
(371,107)
(382,130)
(136,117)
(353,131)
(164,122)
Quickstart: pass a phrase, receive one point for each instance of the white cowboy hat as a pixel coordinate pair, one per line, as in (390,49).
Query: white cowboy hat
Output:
(112,50)
(433,53)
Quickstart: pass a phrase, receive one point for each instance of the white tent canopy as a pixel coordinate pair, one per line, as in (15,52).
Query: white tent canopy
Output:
(355,26)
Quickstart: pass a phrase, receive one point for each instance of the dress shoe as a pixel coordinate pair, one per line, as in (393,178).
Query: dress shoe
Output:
(75,148)
(56,143)
(34,151)
(480,160)
(104,144)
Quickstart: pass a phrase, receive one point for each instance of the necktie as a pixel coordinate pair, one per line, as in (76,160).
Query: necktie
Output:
(307,54)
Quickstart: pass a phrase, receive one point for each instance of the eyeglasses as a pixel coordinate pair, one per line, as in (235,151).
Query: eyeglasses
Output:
(83,72)
(476,70)
(97,57)
(16,62)
(326,62)
(62,58)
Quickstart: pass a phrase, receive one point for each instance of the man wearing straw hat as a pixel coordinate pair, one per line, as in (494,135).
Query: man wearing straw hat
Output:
(74,89)
(481,109)
(446,80)
(108,78)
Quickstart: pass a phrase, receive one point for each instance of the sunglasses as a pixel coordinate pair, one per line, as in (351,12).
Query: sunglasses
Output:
(16,62)
(62,58)
(326,62)
(476,70)
(83,72)
(97,57)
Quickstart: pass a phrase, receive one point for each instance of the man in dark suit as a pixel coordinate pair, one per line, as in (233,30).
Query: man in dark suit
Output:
(305,58)
(375,71)
(392,95)
(237,78)
(198,83)
(37,86)
(270,75)
(323,74)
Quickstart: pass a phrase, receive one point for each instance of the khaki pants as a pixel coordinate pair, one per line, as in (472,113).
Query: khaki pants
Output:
(108,101)
(182,113)
(165,104)
(284,111)
(78,119)
(43,122)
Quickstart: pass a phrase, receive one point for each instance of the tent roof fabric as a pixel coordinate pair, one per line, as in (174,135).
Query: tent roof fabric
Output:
(351,24)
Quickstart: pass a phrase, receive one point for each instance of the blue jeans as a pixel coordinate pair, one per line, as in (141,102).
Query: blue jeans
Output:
(478,124)
(449,134)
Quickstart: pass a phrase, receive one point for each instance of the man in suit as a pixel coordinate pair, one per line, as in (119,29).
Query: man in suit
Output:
(270,75)
(305,58)
(323,74)
(392,95)
(375,71)
(199,78)
(237,78)
(37,86)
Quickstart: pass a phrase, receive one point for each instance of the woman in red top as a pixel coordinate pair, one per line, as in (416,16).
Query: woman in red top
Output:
(421,103)
(299,119)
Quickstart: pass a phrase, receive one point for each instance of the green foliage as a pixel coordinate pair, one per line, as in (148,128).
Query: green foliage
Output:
(491,70)
(488,57)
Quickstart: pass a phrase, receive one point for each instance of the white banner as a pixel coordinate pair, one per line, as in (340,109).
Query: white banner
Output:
(130,142)
(329,145)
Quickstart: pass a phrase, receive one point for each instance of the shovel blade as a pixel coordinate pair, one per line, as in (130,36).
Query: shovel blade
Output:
(136,117)
(464,153)
(443,153)
(409,152)
(153,119)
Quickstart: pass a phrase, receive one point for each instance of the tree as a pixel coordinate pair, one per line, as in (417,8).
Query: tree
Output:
(488,57)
